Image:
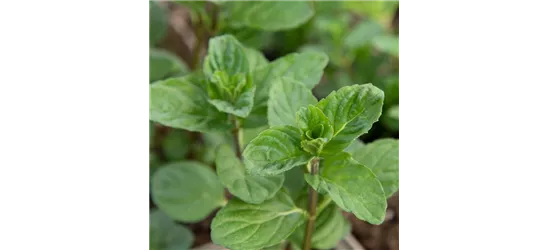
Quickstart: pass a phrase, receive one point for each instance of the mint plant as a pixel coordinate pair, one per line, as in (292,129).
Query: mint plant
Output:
(304,133)
(278,164)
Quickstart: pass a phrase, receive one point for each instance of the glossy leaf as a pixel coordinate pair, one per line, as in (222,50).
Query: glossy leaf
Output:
(165,234)
(163,64)
(239,225)
(249,188)
(187,191)
(226,54)
(352,111)
(183,103)
(381,156)
(306,67)
(268,15)
(175,145)
(275,151)
(285,98)
(352,186)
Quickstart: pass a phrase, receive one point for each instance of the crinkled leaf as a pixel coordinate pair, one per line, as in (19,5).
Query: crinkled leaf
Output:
(352,186)
(275,151)
(255,59)
(381,156)
(183,103)
(313,123)
(187,191)
(165,234)
(225,53)
(231,94)
(352,111)
(240,225)
(163,64)
(158,22)
(285,99)
(268,15)
(363,34)
(306,67)
(175,145)
(330,228)
(249,188)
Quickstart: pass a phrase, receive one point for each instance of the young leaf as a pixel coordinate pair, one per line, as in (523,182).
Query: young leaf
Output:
(231,94)
(268,15)
(352,111)
(175,145)
(239,225)
(306,67)
(187,191)
(163,64)
(352,186)
(285,99)
(255,59)
(182,103)
(225,53)
(164,233)
(249,188)
(330,228)
(275,151)
(313,123)
(381,156)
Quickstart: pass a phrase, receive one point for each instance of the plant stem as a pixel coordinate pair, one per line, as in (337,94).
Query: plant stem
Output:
(313,199)
(237,137)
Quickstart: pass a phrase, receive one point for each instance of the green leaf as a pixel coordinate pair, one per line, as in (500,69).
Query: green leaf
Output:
(352,186)
(268,15)
(182,103)
(163,64)
(187,191)
(387,44)
(249,188)
(285,99)
(250,133)
(239,225)
(152,132)
(313,123)
(352,111)
(390,118)
(275,151)
(154,163)
(255,59)
(158,23)
(225,53)
(330,228)
(363,34)
(165,234)
(306,67)
(381,156)
(294,181)
(231,94)
(175,145)
(206,151)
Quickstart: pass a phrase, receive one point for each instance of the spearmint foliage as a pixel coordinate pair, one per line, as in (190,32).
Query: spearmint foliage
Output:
(272,142)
